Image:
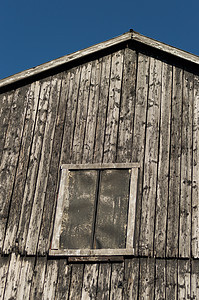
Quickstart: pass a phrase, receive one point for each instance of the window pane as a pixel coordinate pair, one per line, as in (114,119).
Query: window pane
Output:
(78,215)
(112,209)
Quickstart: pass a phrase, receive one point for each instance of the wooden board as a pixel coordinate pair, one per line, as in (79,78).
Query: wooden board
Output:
(175,166)
(23,164)
(104,277)
(160,279)
(147,282)
(131,279)
(10,156)
(51,189)
(76,281)
(184,279)
(63,281)
(43,169)
(89,287)
(163,162)
(26,275)
(139,132)
(50,280)
(4,265)
(37,285)
(171,279)
(195,184)
(186,167)
(31,177)
(117,281)
(149,191)
(195,279)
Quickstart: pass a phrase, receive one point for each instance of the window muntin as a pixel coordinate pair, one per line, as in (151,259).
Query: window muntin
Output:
(95,210)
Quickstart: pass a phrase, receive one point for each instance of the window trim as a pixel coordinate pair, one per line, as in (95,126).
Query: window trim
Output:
(63,190)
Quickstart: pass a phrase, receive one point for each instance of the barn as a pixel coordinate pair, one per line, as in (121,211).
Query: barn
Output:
(99,175)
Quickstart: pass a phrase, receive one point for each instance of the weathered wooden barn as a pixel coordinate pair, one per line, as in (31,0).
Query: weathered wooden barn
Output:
(115,128)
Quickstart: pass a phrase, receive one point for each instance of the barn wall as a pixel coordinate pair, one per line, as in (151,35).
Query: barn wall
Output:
(123,107)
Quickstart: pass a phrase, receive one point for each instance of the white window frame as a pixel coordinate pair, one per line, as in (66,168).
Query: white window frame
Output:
(63,190)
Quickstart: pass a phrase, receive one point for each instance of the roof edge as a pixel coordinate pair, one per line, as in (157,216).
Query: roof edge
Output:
(131,35)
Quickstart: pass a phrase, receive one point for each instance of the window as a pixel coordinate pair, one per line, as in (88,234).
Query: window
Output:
(95,212)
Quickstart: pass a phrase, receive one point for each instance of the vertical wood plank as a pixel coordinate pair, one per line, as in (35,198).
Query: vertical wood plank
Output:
(71,111)
(33,166)
(18,190)
(5,110)
(160,279)
(171,279)
(175,171)
(195,187)
(89,141)
(138,147)
(117,281)
(102,109)
(163,164)
(37,285)
(50,280)
(76,281)
(125,134)
(104,277)
(184,288)
(27,268)
(54,171)
(82,110)
(4,265)
(131,278)
(195,279)
(147,276)
(151,160)
(89,288)
(63,282)
(11,154)
(111,133)
(44,165)
(186,167)
(13,277)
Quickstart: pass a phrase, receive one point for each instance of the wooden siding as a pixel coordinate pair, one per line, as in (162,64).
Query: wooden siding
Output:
(137,278)
(122,107)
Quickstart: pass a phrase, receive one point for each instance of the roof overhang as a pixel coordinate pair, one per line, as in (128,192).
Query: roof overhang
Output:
(129,36)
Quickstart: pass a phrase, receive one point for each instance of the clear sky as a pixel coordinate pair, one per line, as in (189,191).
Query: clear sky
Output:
(36,31)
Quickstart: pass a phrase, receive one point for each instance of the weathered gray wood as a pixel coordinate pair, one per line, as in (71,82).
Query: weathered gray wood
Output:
(11,153)
(102,109)
(16,203)
(131,279)
(160,279)
(195,279)
(91,252)
(174,173)
(112,121)
(44,165)
(82,111)
(171,279)
(125,133)
(5,109)
(103,286)
(184,279)
(163,163)
(37,285)
(78,214)
(54,171)
(147,282)
(94,166)
(117,281)
(13,277)
(89,288)
(89,140)
(4,265)
(31,179)
(138,147)
(26,274)
(151,159)
(71,111)
(50,280)
(195,184)
(66,59)
(186,167)
(76,282)
(63,281)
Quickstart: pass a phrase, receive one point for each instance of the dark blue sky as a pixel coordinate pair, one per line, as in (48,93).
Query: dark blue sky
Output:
(36,31)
